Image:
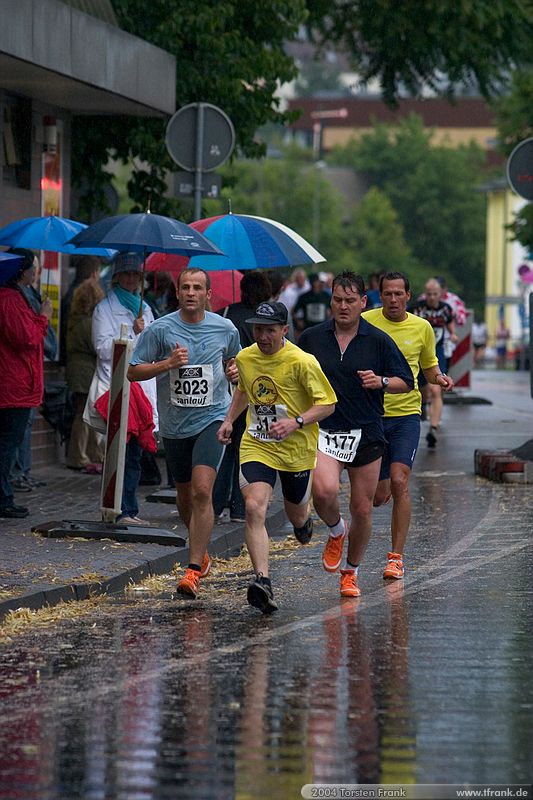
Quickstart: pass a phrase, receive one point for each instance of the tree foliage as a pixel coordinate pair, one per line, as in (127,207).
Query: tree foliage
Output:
(514,116)
(232,54)
(434,43)
(514,112)
(433,191)
(377,239)
(228,53)
(293,191)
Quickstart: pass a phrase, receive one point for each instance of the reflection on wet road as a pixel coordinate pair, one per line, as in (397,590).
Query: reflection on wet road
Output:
(425,681)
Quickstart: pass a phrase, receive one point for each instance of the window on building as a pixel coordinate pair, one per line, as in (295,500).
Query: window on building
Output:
(16,134)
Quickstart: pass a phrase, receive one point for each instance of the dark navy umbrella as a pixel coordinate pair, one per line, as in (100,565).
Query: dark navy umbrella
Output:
(10,266)
(145,233)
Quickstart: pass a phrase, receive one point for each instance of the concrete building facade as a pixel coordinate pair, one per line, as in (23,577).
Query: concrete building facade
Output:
(57,60)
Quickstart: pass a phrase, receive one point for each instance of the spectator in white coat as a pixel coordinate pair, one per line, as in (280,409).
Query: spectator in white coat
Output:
(121,306)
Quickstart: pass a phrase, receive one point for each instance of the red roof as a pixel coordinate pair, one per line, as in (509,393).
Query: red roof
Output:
(465,112)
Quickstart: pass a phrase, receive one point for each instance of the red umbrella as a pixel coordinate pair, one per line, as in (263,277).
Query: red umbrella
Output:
(225,284)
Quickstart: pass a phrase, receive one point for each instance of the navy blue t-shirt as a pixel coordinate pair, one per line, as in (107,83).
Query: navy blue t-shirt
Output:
(371,349)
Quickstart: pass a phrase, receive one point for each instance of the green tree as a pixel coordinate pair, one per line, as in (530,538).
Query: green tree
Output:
(228,53)
(232,54)
(514,112)
(377,239)
(293,191)
(319,77)
(514,116)
(437,43)
(433,191)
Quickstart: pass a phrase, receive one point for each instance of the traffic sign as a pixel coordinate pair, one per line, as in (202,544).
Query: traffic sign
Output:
(520,169)
(200,136)
(184,185)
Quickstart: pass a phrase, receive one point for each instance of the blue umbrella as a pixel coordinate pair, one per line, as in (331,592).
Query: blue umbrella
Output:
(48,233)
(146,233)
(251,242)
(10,266)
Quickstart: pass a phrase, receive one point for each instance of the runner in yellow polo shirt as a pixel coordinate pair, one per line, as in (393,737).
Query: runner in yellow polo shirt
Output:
(287,394)
(414,337)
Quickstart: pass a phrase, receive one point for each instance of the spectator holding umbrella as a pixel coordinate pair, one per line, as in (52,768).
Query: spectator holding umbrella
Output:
(119,307)
(22,334)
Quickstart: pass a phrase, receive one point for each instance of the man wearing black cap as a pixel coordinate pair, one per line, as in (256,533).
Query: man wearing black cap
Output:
(287,394)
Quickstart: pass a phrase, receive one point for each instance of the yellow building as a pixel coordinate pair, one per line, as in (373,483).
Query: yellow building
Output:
(507,295)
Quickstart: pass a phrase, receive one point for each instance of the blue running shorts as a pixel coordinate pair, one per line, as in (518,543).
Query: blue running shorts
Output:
(402,435)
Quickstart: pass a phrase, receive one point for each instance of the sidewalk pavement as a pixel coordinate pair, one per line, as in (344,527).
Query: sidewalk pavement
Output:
(36,571)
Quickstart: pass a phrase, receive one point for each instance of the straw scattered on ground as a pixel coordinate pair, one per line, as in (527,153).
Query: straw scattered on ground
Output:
(22,619)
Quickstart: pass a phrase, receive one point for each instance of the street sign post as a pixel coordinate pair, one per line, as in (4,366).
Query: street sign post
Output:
(184,185)
(200,137)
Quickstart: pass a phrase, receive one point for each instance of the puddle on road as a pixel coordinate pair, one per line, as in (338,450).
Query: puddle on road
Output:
(149,698)
(146,698)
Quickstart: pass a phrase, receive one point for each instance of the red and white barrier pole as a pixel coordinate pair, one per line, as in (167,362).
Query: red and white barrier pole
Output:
(462,360)
(117,428)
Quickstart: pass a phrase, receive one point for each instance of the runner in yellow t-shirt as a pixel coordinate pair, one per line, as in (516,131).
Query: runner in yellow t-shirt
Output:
(414,337)
(287,394)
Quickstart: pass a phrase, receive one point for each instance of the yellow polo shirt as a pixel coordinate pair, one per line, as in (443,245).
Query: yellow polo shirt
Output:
(282,385)
(415,338)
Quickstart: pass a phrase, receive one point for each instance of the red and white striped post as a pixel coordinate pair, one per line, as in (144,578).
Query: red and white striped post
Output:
(117,428)
(462,360)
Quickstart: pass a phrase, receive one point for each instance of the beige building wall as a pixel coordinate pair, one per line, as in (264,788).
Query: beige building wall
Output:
(445,137)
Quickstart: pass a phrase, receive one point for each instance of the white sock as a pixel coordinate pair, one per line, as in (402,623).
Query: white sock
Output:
(337,529)
(350,567)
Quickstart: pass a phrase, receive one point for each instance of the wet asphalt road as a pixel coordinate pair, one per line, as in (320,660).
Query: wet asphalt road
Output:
(422,681)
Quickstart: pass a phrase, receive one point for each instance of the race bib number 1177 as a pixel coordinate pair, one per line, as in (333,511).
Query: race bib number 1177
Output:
(341,445)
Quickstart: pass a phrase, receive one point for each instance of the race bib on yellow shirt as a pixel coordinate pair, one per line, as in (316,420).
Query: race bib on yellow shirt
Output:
(341,445)
(262,418)
(192,385)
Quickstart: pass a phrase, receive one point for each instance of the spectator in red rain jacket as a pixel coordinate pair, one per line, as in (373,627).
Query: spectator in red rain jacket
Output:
(22,334)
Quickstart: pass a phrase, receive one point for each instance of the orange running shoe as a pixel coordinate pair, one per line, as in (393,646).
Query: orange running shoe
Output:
(206,565)
(349,587)
(332,553)
(189,584)
(394,568)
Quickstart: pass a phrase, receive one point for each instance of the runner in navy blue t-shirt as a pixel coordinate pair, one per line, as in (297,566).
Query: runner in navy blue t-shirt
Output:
(361,362)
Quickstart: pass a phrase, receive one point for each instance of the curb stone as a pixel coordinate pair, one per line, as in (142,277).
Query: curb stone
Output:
(223,543)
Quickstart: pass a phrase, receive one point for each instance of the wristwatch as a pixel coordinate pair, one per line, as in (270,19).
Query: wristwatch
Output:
(300,421)
(385,382)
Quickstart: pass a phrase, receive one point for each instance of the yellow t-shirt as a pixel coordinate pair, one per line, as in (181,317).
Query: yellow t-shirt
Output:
(282,385)
(415,338)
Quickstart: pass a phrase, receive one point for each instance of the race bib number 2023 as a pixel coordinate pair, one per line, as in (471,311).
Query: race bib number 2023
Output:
(192,385)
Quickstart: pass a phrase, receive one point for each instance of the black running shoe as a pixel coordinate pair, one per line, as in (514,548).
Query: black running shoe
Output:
(260,595)
(431,439)
(14,512)
(304,533)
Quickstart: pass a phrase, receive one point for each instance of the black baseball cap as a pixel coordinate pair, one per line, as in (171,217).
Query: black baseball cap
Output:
(269,314)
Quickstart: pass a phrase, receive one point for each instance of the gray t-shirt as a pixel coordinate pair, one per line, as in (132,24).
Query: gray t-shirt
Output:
(193,396)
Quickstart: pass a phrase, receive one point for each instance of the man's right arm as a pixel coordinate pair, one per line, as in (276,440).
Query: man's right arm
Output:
(143,372)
